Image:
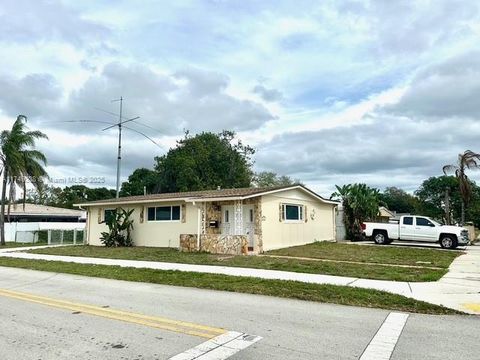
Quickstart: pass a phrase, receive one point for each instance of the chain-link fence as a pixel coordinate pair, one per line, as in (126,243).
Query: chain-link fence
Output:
(50,237)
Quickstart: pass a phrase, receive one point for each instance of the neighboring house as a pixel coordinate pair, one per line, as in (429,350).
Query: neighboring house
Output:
(42,213)
(385,215)
(222,221)
(23,223)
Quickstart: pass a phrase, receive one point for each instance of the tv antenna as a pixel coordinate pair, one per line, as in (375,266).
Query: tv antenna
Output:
(120,124)
(119,156)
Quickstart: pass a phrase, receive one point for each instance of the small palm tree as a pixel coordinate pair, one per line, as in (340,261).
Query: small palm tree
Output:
(19,163)
(467,160)
(360,203)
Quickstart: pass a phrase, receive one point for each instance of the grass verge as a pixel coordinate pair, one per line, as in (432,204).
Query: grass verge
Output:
(378,272)
(287,289)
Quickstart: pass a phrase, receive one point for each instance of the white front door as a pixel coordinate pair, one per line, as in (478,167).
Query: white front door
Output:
(228,218)
(249,223)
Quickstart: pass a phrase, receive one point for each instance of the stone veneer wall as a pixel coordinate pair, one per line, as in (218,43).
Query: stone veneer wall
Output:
(214,212)
(215,244)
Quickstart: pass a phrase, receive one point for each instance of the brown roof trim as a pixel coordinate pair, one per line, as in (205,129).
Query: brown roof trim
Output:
(206,195)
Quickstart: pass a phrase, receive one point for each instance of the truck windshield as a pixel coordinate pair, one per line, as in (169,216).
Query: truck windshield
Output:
(436,223)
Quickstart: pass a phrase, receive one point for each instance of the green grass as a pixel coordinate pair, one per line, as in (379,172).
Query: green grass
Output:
(374,254)
(286,289)
(258,262)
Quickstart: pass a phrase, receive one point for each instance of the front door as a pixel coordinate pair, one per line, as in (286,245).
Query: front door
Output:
(249,224)
(228,217)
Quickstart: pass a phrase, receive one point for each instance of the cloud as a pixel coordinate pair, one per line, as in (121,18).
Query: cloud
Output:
(196,65)
(384,152)
(269,95)
(191,99)
(32,95)
(448,89)
(34,21)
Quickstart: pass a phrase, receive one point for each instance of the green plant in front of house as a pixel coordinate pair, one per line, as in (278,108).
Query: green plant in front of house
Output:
(360,203)
(120,227)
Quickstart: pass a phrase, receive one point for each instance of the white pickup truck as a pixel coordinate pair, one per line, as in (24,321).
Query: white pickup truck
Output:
(416,228)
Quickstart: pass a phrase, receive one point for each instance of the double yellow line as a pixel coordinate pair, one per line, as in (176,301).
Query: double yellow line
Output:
(140,319)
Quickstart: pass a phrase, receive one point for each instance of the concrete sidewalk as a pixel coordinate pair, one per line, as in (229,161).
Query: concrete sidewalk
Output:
(459,289)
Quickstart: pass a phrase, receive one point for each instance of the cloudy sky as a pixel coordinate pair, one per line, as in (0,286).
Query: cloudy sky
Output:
(328,92)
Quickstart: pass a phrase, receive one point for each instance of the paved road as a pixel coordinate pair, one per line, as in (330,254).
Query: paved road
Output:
(290,329)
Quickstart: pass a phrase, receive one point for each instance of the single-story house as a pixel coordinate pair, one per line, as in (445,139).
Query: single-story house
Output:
(230,221)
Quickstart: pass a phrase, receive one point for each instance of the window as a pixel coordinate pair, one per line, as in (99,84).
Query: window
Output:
(227,216)
(423,222)
(408,220)
(109,213)
(251,215)
(293,212)
(164,213)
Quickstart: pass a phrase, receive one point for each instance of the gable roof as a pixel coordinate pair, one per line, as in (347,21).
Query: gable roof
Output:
(386,212)
(205,195)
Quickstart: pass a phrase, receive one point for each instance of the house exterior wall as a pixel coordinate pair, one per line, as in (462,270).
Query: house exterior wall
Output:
(318,223)
(269,231)
(147,233)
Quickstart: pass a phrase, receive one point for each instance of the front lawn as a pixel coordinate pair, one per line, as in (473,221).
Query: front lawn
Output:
(403,256)
(288,289)
(372,254)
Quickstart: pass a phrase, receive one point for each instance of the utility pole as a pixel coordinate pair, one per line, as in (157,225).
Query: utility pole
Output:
(119,154)
(119,157)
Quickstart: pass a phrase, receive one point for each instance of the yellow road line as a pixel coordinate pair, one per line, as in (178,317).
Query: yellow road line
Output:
(472,306)
(151,321)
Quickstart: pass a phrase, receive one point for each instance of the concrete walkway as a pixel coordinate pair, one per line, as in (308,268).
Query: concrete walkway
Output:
(459,289)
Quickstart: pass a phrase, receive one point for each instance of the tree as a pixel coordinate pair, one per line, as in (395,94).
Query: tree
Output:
(432,200)
(270,178)
(360,203)
(467,160)
(204,162)
(399,200)
(139,180)
(44,195)
(20,163)
(80,193)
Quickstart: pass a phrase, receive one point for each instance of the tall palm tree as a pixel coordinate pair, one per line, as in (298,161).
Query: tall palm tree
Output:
(467,160)
(19,163)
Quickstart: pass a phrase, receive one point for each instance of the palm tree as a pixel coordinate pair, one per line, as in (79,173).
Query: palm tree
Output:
(467,160)
(19,163)
(360,203)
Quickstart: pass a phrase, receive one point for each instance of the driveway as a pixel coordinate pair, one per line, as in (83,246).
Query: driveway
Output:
(459,288)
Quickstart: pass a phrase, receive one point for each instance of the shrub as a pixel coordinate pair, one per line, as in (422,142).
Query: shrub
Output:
(119,229)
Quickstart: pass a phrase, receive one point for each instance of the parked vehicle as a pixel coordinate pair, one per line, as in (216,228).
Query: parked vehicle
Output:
(416,228)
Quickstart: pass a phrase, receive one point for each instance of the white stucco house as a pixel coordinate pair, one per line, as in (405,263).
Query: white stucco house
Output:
(229,221)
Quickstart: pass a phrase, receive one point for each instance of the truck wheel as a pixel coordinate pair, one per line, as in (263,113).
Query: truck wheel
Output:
(448,242)
(380,238)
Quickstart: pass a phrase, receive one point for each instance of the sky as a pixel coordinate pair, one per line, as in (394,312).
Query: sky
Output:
(328,92)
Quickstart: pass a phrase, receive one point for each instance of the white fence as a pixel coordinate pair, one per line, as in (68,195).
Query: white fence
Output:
(46,232)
